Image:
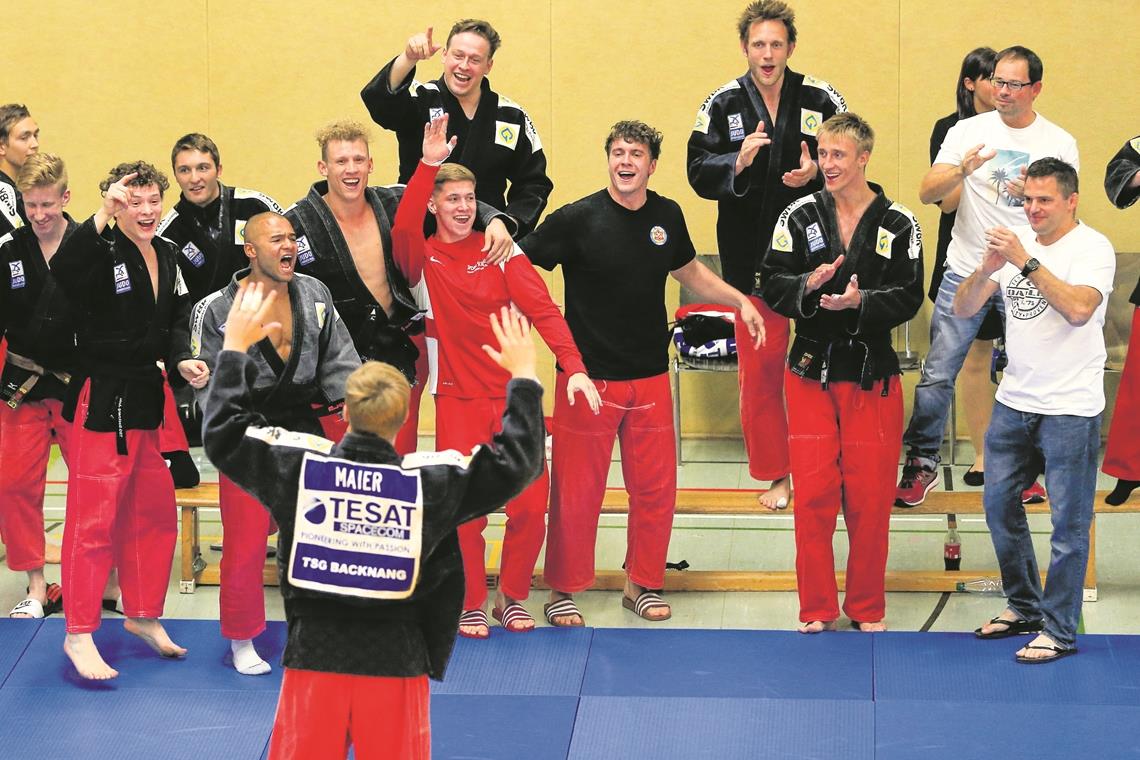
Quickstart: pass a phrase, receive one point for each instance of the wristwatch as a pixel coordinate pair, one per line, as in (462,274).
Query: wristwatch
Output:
(1030,267)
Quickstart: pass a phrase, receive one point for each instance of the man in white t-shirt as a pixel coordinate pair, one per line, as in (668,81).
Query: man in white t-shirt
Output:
(980,170)
(1055,276)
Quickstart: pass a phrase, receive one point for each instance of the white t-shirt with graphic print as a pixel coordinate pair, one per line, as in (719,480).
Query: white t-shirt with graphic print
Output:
(986,201)
(1054,367)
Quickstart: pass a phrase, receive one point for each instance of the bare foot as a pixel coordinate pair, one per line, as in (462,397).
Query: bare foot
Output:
(778,495)
(80,648)
(502,601)
(566,621)
(479,631)
(658,611)
(1042,640)
(151,631)
(991,628)
(817,626)
(876,627)
(52,552)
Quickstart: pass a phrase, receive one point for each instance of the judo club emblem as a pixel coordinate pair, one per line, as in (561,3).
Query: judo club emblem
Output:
(1024,299)
(506,134)
(781,242)
(17,269)
(122,279)
(810,121)
(735,127)
(883,243)
(657,235)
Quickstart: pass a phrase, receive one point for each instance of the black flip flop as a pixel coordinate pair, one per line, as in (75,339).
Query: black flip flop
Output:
(1058,653)
(1013,628)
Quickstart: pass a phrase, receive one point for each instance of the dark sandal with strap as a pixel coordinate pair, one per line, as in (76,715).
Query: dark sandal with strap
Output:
(1012,628)
(561,609)
(474,618)
(510,617)
(646,601)
(1058,653)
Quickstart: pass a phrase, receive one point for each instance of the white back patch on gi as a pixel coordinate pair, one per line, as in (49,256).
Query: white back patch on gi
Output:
(194,254)
(18,279)
(810,121)
(321,308)
(507,134)
(304,252)
(815,237)
(122,279)
(658,235)
(735,127)
(883,243)
(239,232)
(358,529)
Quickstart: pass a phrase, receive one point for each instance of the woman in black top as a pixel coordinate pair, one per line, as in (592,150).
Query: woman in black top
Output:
(975,95)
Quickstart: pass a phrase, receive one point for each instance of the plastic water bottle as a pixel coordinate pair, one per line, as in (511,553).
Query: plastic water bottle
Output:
(952,549)
(982,586)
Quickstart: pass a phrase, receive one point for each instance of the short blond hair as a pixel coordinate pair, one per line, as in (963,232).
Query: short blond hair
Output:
(42,170)
(348,130)
(376,399)
(453,173)
(852,126)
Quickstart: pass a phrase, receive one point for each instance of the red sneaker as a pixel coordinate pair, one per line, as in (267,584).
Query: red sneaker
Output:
(915,483)
(1035,494)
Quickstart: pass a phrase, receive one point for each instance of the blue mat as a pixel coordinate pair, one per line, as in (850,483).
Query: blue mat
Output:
(172,724)
(957,667)
(724,729)
(733,663)
(14,638)
(924,729)
(547,661)
(206,666)
(496,727)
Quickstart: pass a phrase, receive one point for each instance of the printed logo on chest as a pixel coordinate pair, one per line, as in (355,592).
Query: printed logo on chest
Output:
(815,239)
(122,279)
(304,252)
(657,235)
(1024,299)
(735,127)
(194,255)
(18,279)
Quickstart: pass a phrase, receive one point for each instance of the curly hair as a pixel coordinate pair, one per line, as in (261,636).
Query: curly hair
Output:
(636,132)
(148,174)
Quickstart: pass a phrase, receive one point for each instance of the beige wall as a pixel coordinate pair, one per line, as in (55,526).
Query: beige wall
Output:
(115,81)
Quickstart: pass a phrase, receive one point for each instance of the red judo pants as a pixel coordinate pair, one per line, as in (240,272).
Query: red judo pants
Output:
(1122,454)
(245,526)
(26,435)
(319,715)
(120,513)
(461,424)
(408,438)
(639,413)
(844,447)
(763,415)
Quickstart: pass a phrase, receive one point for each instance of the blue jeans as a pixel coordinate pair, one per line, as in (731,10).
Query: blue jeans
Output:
(1018,446)
(950,339)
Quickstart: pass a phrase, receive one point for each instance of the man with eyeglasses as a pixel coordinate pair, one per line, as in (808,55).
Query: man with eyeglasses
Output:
(982,162)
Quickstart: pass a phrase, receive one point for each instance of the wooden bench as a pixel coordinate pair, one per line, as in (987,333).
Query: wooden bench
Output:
(693,501)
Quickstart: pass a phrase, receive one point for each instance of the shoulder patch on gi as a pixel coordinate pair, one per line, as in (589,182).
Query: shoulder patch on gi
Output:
(505,101)
(239,231)
(8,205)
(167,220)
(531,134)
(245,193)
(449,457)
(810,121)
(728,86)
(1135,143)
(276,436)
(507,134)
(321,307)
(781,233)
(832,94)
(883,242)
(198,322)
(702,123)
(914,245)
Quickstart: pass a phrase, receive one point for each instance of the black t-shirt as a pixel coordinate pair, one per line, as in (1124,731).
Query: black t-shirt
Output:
(614,262)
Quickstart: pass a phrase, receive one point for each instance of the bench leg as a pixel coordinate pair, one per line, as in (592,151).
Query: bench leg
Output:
(1090,593)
